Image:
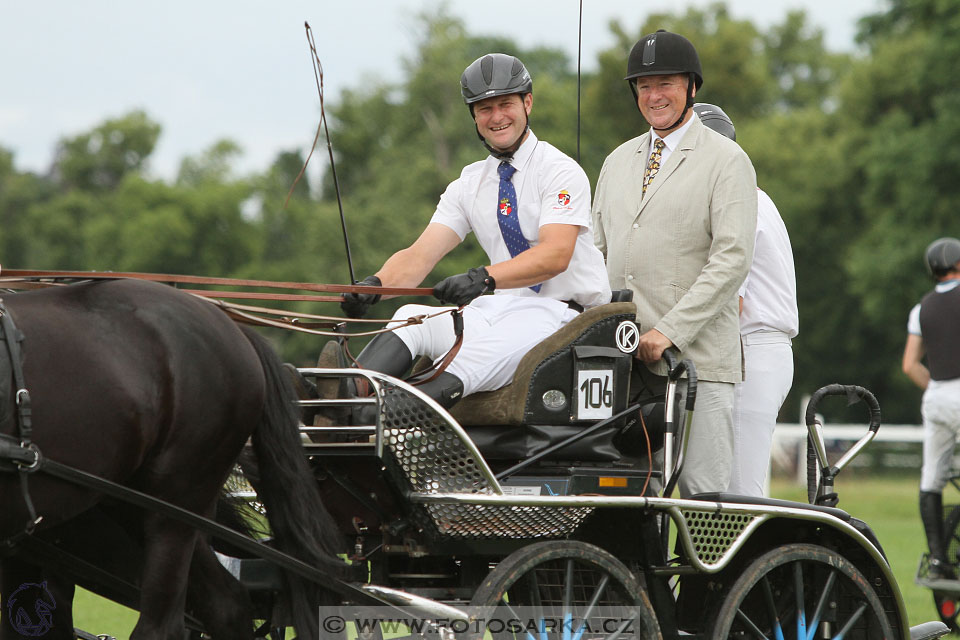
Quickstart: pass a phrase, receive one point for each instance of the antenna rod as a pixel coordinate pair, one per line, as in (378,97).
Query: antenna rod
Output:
(318,76)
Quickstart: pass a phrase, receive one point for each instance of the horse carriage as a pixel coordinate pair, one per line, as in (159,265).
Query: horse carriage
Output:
(542,510)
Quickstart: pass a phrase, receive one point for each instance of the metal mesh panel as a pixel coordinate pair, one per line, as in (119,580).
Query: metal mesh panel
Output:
(478,522)
(433,458)
(713,533)
(432,455)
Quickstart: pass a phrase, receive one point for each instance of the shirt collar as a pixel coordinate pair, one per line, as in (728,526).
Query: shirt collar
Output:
(947,285)
(522,155)
(672,141)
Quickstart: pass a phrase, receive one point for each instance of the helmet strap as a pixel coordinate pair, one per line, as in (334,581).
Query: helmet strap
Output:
(507,153)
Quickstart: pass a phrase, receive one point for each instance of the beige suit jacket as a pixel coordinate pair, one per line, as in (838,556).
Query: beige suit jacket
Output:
(685,248)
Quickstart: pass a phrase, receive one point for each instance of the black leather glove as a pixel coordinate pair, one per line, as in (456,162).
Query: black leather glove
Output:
(463,288)
(355,305)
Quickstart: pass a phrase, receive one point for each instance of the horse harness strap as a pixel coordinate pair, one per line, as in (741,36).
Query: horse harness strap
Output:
(22,454)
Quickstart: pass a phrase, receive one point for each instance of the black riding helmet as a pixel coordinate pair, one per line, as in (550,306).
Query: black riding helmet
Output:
(495,74)
(665,53)
(713,116)
(942,256)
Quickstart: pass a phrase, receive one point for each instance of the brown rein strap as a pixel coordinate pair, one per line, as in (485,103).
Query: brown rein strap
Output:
(331,326)
(228,282)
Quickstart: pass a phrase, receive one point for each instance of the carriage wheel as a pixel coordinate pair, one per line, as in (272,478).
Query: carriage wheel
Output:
(801,591)
(547,587)
(948,605)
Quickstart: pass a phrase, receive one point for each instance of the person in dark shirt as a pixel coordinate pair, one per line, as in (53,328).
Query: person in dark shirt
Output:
(934,330)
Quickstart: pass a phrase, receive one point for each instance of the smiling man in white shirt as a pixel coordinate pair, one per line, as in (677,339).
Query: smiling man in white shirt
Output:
(529,206)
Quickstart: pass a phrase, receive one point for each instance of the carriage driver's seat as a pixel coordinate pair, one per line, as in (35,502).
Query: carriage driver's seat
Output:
(572,379)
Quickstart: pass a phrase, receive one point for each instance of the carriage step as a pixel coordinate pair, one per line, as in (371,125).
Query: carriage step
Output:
(929,631)
(80,634)
(339,449)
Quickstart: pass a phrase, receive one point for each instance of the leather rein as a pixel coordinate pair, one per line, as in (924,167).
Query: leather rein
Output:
(292,320)
(330,326)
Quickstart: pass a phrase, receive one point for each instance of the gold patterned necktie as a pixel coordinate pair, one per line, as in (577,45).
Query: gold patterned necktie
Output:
(653,165)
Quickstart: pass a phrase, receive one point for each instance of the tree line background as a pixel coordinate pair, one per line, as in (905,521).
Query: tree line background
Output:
(860,151)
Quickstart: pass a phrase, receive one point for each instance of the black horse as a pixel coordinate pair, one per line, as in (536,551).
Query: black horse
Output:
(157,390)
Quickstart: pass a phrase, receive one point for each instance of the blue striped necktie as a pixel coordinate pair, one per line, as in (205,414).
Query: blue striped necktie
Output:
(508,216)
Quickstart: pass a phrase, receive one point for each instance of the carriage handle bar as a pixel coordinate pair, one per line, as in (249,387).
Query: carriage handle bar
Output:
(854,394)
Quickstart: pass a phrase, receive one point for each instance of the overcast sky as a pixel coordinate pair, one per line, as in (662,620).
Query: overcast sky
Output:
(212,69)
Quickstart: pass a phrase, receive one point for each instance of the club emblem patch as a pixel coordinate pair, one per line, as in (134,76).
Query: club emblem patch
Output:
(563,198)
(628,336)
(505,207)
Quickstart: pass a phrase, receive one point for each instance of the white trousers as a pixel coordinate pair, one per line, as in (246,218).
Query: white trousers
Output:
(941,427)
(768,358)
(710,449)
(498,331)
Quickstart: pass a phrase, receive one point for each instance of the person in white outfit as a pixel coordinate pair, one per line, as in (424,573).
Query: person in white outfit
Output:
(528,205)
(768,322)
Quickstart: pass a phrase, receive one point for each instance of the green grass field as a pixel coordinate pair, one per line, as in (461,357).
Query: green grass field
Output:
(888,504)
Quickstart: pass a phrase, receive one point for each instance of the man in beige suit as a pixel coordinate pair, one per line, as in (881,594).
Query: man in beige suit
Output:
(675,213)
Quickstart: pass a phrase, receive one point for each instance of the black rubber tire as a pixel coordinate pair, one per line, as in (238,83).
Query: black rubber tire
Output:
(803,578)
(555,579)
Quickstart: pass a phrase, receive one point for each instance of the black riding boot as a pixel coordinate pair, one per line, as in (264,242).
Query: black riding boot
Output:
(931,514)
(446,389)
(387,354)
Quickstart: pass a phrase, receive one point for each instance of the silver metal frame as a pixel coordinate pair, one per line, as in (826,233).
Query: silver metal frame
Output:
(709,548)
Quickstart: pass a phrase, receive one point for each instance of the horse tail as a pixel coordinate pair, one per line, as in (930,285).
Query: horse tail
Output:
(300,524)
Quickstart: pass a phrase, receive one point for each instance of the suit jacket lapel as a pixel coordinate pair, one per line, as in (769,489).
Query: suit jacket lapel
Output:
(639,166)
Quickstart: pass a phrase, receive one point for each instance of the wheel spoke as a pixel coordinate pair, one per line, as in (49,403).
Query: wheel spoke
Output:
(821,605)
(594,599)
(567,612)
(798,595)
(771,609)
(537,605)
(852,621)
(513,614)
(752,628)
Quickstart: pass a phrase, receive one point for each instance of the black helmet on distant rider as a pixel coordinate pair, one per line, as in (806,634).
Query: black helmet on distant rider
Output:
(942,256)
(713,117)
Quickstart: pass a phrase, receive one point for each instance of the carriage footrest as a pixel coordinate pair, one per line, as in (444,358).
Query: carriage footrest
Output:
(929,631)
(946,587)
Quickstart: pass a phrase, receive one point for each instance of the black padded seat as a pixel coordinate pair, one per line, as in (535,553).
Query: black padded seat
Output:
(513,404)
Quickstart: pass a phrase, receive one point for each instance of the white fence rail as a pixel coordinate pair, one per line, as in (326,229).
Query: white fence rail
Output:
(789,449)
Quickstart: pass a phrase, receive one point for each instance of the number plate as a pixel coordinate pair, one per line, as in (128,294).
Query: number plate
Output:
(594,394)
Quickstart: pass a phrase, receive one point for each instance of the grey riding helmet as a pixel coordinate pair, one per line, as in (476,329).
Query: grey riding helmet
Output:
(665,53)
(713,116)
(942,256)
(494,74)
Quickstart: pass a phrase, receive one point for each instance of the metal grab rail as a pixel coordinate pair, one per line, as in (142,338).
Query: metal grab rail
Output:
(822,492)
